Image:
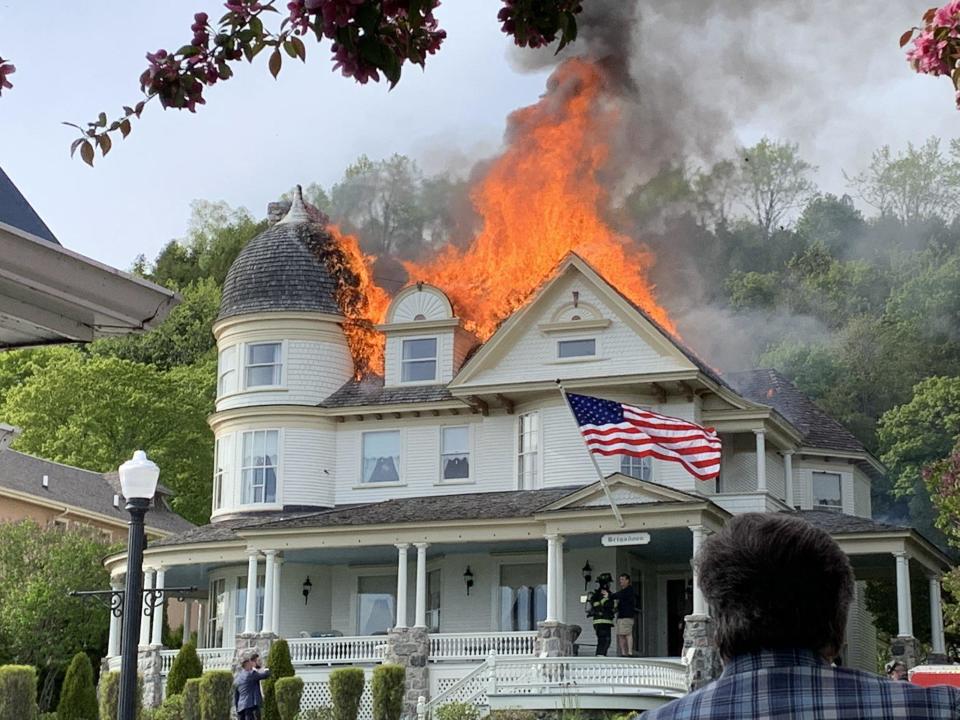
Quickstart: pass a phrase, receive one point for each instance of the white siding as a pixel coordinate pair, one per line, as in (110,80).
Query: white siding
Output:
(533,355)
(310,467)
(445,356)
(297,616)
(861,494)
(805,466)
(861,650)
(775,480)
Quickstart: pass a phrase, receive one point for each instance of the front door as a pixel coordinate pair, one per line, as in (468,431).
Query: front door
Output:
(679,605)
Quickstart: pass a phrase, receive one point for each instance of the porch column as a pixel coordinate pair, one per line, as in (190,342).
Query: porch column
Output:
(904,612)
(551,579)
(250,610)
(157,640)
(788,477)
(561,604)
(113,643)
(187,612)
(275,623)
(269,581)
(145,620)
(421,607)
(939,645)
(699,602)
(761,460)
(402,585)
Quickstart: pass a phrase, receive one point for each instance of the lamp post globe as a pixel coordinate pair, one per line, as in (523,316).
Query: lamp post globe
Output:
(138,482)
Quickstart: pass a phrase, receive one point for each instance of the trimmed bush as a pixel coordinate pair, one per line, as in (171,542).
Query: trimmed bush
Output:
(457,711)
(78,697)
(388,689)
(191,699)
(346,687)
(280,665)
(108,693)
(288,690)
(18,692)
(185,665)
(172,709)
(318,713)
(47,716)
(216,695)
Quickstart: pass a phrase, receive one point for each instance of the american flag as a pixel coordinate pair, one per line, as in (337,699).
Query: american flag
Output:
(612,428)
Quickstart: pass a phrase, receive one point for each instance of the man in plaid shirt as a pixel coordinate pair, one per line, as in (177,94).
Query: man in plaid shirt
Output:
(779,590)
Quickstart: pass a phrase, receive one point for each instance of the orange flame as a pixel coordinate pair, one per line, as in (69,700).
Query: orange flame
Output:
(539,201)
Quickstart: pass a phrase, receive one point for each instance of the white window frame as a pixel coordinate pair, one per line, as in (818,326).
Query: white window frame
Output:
(221,473)
(240,608)
(495,605)
(372,573)
(214,618)
(433,613)
(227,356)
(642,461)
(436,360)
(400,479)
(577,358)
(519,454)
(280,364)
(813,495)
(276,468)
(469,453)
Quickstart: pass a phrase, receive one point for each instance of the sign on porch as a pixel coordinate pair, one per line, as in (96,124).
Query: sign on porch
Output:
(639,538)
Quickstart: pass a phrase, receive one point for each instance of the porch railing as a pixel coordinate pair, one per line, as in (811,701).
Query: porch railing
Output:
(211,658)
(338,650)
(590,674)
(477,646)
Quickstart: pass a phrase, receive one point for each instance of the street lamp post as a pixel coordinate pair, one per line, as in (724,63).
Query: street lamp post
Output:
(138,481)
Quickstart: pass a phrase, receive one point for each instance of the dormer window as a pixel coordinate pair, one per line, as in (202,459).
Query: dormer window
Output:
(419,360)
(263,365)
(571,349)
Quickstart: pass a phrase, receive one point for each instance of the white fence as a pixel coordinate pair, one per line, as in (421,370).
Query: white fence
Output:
(338,650)
(212,659)
(477,646)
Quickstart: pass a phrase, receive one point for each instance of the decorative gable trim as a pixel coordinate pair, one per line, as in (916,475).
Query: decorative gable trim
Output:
(624,489)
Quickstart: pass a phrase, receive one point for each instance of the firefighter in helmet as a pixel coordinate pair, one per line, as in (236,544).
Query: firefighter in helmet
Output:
(600,607)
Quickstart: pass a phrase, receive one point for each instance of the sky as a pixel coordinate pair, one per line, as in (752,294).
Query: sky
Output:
(848,91)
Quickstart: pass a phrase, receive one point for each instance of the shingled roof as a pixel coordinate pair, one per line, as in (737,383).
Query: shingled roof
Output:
(281,269)
(820,431)
(838,523)
(83,489)
(370,391)
(16,211)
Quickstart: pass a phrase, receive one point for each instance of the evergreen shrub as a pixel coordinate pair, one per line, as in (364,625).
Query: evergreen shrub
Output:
(288,692)
(78,697)
(346,688)
(388,687)
(280,665)
(457,711)
(185,665)
(18,692)
(191,699)
(216,695)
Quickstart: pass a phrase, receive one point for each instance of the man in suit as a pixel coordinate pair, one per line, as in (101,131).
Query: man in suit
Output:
(779,590)
(246,686)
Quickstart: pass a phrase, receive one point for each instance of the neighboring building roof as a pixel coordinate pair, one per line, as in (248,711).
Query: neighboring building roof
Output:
(16,211)
(282,270)
(370,391)
(820,431)
(83,489)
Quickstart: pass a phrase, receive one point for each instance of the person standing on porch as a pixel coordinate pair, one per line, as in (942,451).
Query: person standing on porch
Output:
(602,611)
(779,590)
(246,686)
(626,598)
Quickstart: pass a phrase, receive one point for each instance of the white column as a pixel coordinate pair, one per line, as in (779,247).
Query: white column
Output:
(157,640)
(936,618)
(904,611)
(402,585)
(275,622)
(145,620)
(699,602)
(113,643)
(250,609)
(551,578)
(761,461)
(421,606)
(269,588)
(201,623)
(187,619)
(788,477)
(561,604)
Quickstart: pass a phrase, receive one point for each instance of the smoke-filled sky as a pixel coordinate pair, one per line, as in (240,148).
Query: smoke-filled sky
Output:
(704,75)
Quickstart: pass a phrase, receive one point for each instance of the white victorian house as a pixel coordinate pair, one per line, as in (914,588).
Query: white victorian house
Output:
(447,515)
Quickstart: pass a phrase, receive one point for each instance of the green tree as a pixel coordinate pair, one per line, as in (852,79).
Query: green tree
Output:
(280,667)
(94,413)
(773,180)
(832,221)
(78,698)
(185,665)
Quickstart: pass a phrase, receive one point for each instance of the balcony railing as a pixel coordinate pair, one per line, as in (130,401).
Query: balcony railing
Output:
(211,658)
(338,650)
(477,646)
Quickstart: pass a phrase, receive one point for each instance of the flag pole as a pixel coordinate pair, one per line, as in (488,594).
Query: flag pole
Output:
(593,459)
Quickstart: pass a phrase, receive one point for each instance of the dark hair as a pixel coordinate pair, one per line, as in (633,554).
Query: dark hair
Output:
(773,582)
(624,575)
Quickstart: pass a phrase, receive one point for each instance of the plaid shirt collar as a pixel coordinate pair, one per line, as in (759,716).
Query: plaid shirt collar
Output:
(765,659)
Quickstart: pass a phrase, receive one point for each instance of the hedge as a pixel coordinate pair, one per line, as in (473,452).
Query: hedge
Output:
(346,688)
(172,709)
(216,695)
(388,690)
(18,692)
(280,666)
(191,699)
(288,692)
(78,697)
(109,695)
(457,711)
(185,665)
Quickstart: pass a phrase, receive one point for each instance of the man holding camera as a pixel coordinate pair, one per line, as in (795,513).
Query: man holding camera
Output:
(601,609)
(247,697)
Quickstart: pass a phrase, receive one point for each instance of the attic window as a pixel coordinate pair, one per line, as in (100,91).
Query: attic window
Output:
(419,360)
(420,316)
(567,349)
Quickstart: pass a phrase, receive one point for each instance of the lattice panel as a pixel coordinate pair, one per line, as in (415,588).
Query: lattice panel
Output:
(317,694)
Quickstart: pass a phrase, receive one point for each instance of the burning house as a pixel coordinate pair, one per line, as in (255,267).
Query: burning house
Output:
(444,514)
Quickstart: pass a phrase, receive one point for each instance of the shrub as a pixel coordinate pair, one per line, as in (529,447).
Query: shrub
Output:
(185,665)
(457,711)
(319,713)
(109,696)
(18,692)
(288,690)
(388,689)
(280,667)
(191,699)
(216,694)
(47,716)
(512,714)
(78,697)
(172,709)
(346,687)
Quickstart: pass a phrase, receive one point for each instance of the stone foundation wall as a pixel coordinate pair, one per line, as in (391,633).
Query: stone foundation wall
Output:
(556,639)
(148,665)
(904,649)
(700,651)
(410,648)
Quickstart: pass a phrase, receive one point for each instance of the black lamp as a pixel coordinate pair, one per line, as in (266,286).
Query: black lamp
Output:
(587,575)
(468,579)
(307,587)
